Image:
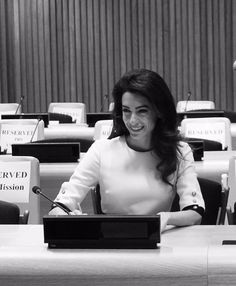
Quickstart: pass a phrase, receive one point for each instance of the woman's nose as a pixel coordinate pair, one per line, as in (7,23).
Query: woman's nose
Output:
(133,118)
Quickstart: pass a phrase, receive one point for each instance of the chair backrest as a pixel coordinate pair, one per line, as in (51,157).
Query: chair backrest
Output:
(215,197)
(9,213)
(18,176)
(77,110)
(60,117)
(10,108)
(211,128)
(13,131)
(102,129)
(232,181)
(186,105)
(111,106)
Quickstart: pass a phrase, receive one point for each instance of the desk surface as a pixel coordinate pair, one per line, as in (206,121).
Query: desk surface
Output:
(186,256)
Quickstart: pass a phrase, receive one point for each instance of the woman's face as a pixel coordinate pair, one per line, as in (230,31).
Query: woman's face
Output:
(139,118)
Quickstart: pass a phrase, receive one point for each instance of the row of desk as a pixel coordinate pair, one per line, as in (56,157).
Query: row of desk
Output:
(191,255)
(73,131)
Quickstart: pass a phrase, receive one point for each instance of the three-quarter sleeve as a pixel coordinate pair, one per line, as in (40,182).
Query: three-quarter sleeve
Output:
(187,185)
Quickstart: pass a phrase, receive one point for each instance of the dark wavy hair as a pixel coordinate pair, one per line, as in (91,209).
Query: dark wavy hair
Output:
(165,137)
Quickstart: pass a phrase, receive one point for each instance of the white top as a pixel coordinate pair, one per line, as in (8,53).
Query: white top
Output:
(129,181)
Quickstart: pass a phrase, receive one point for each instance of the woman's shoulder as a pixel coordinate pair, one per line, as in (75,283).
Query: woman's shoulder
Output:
(184,148)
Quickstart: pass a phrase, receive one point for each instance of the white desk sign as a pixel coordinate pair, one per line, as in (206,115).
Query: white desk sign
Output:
(13,134)
(75,113)
(105,131)
(208,131)
(15,181)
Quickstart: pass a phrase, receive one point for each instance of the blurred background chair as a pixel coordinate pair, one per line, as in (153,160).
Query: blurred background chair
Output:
(186,105)
(10,108)
(211,128)
(208,145)
(231,215)
(215,197)
(102,129)
(76,110)
(10,214)
(27,170)
(62,118)
(19,131)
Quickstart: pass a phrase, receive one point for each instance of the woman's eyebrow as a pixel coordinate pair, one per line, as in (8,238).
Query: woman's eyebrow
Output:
(138,107)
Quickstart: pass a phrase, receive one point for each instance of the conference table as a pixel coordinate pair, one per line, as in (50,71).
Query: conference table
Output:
(191,255)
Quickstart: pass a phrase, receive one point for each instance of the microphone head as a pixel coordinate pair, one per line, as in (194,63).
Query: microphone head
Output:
(36,190)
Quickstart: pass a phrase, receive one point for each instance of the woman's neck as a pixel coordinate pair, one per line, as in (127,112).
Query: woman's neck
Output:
(138,145)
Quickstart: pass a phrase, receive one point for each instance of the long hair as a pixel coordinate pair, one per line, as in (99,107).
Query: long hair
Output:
(165,138)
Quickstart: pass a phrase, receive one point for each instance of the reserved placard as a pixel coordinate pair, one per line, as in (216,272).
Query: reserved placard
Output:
(13,134)
(208,131)
(75,113)
(15,181)
(192,105)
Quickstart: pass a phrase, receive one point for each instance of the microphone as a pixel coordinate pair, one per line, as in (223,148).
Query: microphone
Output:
(36,126)
(186,104)
(20,104)
(37,191)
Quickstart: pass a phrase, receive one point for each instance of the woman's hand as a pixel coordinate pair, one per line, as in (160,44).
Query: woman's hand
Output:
(59,211)
(164,219)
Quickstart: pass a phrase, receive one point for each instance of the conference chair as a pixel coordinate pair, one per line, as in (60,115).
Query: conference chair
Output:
(10,108)
(211,128)
(10,214)
(215,197)
(21,173)
(102,129)
(111,106)
(62,118)
(19,131)
(231,215)
(187,105)
(76,110)
(208,145)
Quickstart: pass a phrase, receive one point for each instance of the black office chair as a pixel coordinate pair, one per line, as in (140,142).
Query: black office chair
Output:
(215,198)
(208,145)
(62,118)
(10,214)
(231,215)
(214,195)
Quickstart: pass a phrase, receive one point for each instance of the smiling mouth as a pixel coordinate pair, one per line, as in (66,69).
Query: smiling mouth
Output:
(135,129)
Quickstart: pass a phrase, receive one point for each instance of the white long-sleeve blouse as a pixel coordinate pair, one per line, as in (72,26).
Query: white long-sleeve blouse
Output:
(129,181)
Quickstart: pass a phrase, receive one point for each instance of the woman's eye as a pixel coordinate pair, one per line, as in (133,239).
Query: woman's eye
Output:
(142,111)
(125,110)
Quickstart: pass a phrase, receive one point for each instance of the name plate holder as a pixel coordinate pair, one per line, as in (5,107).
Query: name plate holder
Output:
(102,231)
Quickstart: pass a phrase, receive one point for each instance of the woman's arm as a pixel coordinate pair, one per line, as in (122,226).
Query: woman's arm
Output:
(179,218)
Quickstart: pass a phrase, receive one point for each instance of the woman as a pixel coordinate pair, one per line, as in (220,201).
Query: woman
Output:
(144,163)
